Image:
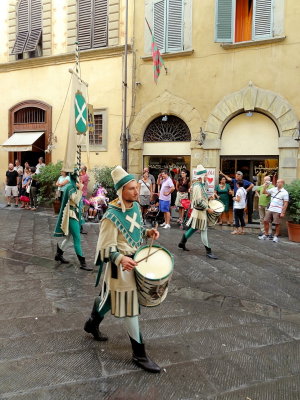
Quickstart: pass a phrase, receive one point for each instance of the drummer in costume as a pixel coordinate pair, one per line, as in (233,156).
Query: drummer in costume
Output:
(69,222)
(198,218)
(121,234)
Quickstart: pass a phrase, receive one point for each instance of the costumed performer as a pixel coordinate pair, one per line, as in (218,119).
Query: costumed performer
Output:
(121,233)
(69,222)
(200,208)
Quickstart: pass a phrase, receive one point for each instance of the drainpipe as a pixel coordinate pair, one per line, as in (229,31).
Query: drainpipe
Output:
(124,141)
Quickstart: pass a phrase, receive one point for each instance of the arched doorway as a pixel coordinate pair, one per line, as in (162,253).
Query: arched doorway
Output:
(249,143)
(167,145)
(32,121)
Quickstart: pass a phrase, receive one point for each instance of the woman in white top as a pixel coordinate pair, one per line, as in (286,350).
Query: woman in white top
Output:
(61,183)
(145,192)
(238,209)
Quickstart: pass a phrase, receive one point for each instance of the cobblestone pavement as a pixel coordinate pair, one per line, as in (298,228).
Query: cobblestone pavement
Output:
(228,330)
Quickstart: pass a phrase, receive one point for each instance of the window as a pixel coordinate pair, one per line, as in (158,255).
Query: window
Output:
(29,115)
(244,20)
(168,128)
(29,29)
(98,139)
(92,24)
(168,25)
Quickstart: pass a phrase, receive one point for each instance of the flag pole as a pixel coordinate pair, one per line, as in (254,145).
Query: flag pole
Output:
(124,140)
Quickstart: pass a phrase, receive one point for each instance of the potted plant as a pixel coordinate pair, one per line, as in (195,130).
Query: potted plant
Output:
(47,190)
(293,224)
(102,176)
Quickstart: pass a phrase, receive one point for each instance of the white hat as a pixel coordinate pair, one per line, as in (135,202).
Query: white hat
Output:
(121,178)
(200,170)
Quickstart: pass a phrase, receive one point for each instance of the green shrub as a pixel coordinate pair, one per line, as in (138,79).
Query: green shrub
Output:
(102,176)
(47,178)
(294,201)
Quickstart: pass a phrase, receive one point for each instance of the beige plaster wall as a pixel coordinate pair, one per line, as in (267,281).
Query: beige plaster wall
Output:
(50,83)
(210,73)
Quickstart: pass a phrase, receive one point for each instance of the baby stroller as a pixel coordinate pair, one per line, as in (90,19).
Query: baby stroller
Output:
(153,214)
(97,205)
(186,204)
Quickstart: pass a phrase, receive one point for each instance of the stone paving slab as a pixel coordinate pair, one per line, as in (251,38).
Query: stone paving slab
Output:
(229,328)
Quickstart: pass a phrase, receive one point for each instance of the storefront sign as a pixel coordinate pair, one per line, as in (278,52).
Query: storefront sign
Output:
(210,180)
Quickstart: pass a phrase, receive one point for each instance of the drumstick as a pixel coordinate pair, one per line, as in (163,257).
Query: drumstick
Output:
(142,259)
(152,239)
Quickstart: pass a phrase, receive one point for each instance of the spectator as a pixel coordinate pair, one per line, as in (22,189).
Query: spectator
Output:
(182,186)
(145,192)
(152,179)
(61,183)
(222,192)
(239,208)
(25,189)
(40,165)
(33,190)
(247,185)
(84,179)
(166,188)
(277,208)
(11,187)
(263,203)
(18,167)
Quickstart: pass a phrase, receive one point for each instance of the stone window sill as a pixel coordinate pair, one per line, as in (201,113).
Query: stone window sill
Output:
(95,148)
(183,53)
(227,46)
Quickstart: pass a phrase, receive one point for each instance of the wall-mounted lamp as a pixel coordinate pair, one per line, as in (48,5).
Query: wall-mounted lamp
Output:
(165,118)
(297,138)
(249,114)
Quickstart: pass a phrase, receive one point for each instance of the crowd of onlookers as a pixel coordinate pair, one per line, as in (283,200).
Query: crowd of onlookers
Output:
(21,184)
(163,192)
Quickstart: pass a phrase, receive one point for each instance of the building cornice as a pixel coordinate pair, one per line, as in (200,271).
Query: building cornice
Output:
(67,58)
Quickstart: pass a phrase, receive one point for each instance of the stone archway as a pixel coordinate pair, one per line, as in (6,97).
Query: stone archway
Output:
(165,104)
(267,102)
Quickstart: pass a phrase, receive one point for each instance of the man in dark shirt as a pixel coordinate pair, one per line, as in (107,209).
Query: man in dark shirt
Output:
(11,188)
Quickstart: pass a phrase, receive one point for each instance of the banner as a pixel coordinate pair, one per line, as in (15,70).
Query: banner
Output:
(78,118)
(210,180)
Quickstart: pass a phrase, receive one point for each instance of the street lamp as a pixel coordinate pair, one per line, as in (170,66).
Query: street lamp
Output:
(297,138)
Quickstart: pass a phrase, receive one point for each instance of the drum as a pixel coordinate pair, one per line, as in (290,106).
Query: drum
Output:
(218,208)
(153,274)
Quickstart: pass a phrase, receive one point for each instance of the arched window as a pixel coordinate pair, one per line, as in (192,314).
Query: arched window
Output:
(29,115)
(167,129)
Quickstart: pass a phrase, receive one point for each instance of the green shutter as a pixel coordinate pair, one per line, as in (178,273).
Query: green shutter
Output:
(262,19)
(159,24)
(225,14)
(174,25)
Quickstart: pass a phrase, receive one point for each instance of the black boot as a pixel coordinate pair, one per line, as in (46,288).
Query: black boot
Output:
(82,231)
(83,263)
(92,324)
(182,243)
(59,256)
(140,357)
(209,254)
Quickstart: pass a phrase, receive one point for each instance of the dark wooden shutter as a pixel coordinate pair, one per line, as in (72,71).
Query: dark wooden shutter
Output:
(224,20)
(263,19)
(174,25)
(100,23)
(84,24)
(35,25)
(159,23)
(22,27)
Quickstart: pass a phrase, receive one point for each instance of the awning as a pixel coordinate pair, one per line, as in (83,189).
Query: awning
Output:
(21,141)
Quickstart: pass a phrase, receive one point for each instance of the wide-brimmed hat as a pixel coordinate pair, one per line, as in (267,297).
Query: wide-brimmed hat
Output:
(121,178)
(200,170)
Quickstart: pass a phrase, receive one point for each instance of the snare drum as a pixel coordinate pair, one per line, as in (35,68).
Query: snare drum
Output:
(153,274)
(218,208)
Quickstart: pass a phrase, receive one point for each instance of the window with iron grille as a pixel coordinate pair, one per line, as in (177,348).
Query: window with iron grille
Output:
(97,137)
(29,28)
(29,115)
(167,129)
(92,19)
